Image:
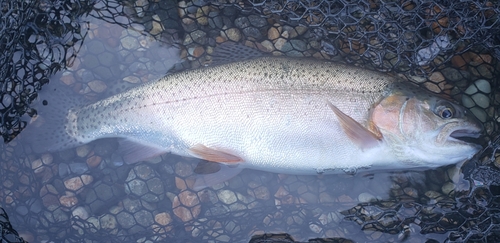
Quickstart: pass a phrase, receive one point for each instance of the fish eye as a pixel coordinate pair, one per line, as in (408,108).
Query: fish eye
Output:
(445,111)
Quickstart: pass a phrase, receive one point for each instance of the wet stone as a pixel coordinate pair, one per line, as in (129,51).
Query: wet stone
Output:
(57,215)
(132,79)
(242,22)
(125,219)
(186,206)
(130,43)
(215,21)
(144,218)
(432,194)
(280,43)
(252,32)
(108,221)
(94,161)
(233,34)
(96,47)
(448,188)
(261,193)
(315,228)
(78,168)
(69,200)
(410,191)
(143,181)
(257,21)
(454,75)
(77,183)
(298,45)
(80,212)
(183,169)
(163,218)
(197,36)
(227,196)
(83,150)
(366,197)
(267,45)
(273,33)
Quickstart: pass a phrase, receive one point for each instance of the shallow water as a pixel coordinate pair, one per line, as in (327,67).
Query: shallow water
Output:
(79,194)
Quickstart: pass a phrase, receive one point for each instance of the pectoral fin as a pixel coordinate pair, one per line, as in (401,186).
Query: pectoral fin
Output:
(358,134)
(214,155)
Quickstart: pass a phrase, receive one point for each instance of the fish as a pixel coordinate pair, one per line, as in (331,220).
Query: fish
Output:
(276,114)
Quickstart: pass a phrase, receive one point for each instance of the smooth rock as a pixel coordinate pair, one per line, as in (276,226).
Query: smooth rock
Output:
(227,196)
(76,183)
(80,212)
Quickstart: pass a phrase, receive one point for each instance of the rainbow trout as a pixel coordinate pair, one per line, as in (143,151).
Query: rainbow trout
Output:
(296,116)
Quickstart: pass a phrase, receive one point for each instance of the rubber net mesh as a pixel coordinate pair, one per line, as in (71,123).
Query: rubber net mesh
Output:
(78,195)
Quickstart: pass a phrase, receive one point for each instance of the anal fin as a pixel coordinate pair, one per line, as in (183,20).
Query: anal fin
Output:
(214,155)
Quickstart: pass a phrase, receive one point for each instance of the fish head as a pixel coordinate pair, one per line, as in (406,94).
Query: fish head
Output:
(426,130)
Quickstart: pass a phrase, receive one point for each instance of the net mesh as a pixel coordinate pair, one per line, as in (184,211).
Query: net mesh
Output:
(450,47)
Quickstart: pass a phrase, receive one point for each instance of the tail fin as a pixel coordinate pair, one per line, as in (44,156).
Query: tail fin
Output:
(47,132)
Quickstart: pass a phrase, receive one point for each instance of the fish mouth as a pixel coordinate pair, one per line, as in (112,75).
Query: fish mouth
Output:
(466,135)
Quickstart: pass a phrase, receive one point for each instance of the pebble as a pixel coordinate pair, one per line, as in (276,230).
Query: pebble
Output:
(436,77)
(144,217)
(315,228)
(97,86)
(227,196)
(108,221)
(94,161)
(39,165)
(197,36)
(366,197)
(476,95)
(201,15)
(233,34)
(67,78)
(410,191)
(129,43)
(257,21)
(163,218)
(132,79)
(95,222)
(80,212)
(280,43)
(143,181)
(301,29)
(186,206)
(432,194)
(196,51)
(242,22)
(82,151)
(76,183)
(448,188)
(273,33)
(69,200)
(252,32)
(183,169)
(261,193)
(215,21)
(157,27)
(267,46)
(426,55)
(298,45)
